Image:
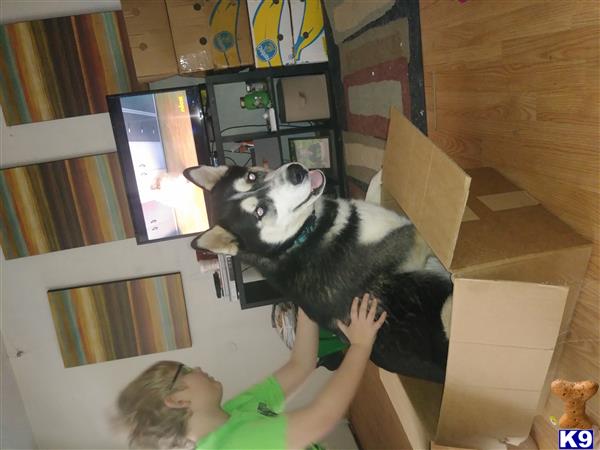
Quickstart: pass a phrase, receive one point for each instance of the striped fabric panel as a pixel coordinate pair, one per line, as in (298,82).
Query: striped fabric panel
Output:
(376,89)
(348,17)
(62,204)
(379,44)
(63,67)
(120,319)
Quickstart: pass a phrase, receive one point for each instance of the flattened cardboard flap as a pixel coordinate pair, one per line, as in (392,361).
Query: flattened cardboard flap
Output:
(507,313)
(502,339)
(506,224)
(430,187)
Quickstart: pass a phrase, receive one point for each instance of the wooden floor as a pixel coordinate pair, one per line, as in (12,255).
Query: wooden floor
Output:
(514,84)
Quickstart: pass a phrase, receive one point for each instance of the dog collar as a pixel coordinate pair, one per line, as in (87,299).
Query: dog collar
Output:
(301,236)
(305,231)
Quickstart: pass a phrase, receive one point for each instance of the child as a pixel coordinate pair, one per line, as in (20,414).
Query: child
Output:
(173,405)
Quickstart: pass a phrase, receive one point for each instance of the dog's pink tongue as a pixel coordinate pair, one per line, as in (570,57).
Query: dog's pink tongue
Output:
(316,179)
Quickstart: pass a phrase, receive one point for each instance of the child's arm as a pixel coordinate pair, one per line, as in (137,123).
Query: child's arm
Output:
(304,355)
(313,422)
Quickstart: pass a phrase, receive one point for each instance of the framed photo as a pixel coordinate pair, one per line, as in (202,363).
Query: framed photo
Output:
(312,152)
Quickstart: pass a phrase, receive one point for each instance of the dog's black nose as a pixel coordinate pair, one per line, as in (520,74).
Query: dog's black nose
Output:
(296,173)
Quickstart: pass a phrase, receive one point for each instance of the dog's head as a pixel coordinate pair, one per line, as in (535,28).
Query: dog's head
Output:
(255,209)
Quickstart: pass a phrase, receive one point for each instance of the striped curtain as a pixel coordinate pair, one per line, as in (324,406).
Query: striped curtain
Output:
(63,67)
(62,204)
(120,319)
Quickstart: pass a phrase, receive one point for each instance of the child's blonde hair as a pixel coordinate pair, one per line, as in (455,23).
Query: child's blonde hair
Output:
(141,408)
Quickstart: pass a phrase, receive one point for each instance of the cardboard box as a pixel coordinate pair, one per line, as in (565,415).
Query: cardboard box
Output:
(435,446)
(303,98)
(309,31)
(287,32)
(210,35)
(191,35)
(186,36)
(271,29)
(517,272)
(230,33)
(150,40)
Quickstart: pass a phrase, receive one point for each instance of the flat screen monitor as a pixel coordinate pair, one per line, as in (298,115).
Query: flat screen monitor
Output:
(158,134)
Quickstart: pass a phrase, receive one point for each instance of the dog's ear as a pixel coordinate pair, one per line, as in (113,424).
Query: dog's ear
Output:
(205,176)
(217,240)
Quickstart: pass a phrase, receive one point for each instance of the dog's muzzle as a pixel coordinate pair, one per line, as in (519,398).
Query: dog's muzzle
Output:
(296,173)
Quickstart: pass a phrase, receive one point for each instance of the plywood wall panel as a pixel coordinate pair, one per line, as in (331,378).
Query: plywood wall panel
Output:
(515,85)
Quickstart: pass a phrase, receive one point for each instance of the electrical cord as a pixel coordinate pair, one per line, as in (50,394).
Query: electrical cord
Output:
(228,158)
(243,126)
(287,125)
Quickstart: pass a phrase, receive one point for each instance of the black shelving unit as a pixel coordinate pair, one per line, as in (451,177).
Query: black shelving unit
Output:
(329,126)
(282,132)
(259,293)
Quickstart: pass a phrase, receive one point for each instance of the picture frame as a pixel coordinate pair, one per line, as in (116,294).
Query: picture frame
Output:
(56,77)
(119,319)
(314,153)
(69,203)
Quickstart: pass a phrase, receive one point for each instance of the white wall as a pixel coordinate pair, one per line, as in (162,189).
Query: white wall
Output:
(70,408)
(15,431)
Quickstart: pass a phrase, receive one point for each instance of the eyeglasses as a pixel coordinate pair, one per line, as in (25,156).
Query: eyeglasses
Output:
(181,368)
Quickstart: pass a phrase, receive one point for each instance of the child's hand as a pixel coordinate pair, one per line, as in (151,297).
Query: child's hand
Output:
(363,327)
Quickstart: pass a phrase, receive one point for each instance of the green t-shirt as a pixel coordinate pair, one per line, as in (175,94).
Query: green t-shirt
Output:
(255,422)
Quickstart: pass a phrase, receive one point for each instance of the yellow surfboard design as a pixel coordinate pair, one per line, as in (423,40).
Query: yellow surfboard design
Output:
(265,25)
(223,24)
(312,27)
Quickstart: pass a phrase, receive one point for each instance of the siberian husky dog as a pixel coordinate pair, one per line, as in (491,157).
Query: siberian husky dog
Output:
(321,252)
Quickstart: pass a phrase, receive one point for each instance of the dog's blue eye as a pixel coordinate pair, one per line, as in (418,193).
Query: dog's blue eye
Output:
(260,211)
(251,176)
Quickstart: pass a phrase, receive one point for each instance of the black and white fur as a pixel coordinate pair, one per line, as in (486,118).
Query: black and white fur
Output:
(322,252)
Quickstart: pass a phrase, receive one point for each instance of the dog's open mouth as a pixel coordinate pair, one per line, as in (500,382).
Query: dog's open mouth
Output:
(317,185)
(317,179)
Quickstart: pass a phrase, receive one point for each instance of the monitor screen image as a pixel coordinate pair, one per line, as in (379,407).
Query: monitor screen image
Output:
(158,135)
